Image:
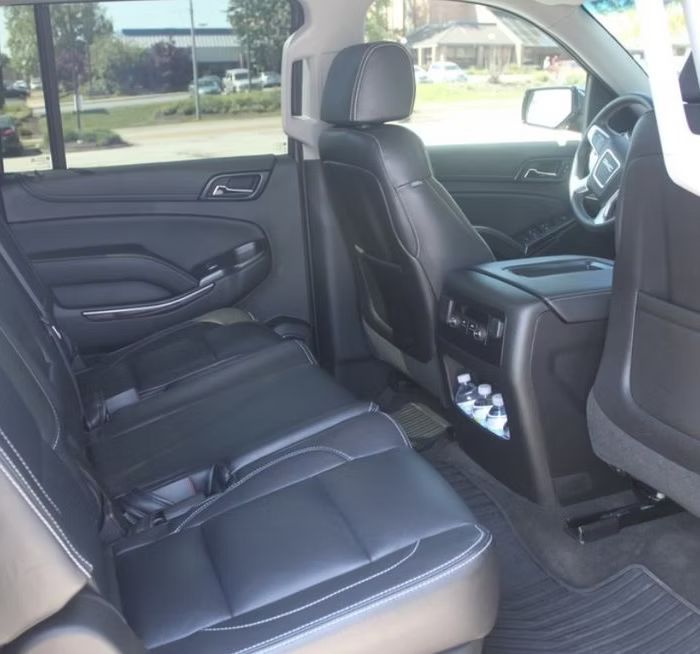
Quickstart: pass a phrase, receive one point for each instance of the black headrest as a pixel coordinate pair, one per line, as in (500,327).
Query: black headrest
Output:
(369,83)
(688,79)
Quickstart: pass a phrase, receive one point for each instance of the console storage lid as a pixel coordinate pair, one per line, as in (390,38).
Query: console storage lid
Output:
(576,288)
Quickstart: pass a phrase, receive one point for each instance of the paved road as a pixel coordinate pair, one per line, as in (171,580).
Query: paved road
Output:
(235,136)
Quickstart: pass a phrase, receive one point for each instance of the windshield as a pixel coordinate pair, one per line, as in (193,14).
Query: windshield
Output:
(620,18)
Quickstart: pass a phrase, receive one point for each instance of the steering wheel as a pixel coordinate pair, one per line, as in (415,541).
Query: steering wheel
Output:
(596,172)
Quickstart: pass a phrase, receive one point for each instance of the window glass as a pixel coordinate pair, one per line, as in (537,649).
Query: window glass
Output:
(473,65)
(22,125)
(620,18)
(132,92)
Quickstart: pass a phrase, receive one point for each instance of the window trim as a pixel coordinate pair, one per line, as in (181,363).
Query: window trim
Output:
(52,100)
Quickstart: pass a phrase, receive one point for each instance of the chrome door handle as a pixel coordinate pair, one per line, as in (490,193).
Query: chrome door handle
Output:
(535,173)
(235,186)
(221,190)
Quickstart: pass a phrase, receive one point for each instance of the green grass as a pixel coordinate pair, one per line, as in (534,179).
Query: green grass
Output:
(448,93)
(115,118)
(495,95)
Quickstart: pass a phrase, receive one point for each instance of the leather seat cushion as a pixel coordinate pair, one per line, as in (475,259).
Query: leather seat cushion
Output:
(175,356)
(298,550)
(231,416)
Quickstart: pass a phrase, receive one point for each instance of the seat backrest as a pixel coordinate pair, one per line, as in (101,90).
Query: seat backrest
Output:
(15,258)
(404,230)
(644,414)
(41,348)
(50,513)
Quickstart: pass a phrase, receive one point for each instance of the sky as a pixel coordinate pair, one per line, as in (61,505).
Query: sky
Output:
(166,13)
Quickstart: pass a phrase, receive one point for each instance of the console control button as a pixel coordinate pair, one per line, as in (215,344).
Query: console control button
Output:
(480,334)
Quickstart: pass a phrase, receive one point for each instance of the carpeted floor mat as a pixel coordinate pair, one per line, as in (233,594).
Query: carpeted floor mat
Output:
(630,612)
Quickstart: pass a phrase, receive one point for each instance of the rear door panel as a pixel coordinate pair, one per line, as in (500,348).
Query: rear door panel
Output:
(150,239)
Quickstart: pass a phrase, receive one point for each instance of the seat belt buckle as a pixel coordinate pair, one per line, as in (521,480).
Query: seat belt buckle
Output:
(52,329)
(125,398)
(174,511)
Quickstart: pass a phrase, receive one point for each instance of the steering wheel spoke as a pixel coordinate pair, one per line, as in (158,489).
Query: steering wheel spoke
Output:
(578,185)
(606,213)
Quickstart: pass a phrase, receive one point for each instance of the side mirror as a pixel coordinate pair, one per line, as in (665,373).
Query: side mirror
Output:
(554,107)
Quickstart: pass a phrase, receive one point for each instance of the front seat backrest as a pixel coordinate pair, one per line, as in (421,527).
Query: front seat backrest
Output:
(644,414)
(404,230)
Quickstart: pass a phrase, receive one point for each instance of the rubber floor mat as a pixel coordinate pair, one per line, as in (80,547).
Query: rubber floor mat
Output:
(422,425)
(632,612)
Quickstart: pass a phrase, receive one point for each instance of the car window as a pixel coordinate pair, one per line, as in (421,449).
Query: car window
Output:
(473,67)
(126,75)
(622,21)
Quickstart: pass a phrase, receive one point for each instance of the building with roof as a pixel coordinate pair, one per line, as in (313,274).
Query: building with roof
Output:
(532,45)
(218,49)
(471,35)
(468,44)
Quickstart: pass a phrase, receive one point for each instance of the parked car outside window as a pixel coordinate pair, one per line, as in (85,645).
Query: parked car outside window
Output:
(446,71)
(208,85)
(422,76)
(268,79)
(237,80)
(11,144)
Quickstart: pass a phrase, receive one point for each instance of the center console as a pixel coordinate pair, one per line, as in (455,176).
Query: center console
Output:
(534,330)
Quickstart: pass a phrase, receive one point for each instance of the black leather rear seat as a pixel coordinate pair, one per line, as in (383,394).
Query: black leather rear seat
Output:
(234,412)
(351,543)
(229,418)
(323,531)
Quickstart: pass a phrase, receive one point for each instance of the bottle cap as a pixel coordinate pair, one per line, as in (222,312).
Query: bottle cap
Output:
(464,378)
(484,390)
(497,399)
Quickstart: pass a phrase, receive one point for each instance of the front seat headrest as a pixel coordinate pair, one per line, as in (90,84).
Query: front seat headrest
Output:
(688,79)
(369,83)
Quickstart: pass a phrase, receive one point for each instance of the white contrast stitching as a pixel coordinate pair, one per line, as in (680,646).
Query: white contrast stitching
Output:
(28,469)
(208,502)
(398,428)
(82,564)
(38,383)
(381,597)
(321,599)
(46,511)
(357,86)
(303,347)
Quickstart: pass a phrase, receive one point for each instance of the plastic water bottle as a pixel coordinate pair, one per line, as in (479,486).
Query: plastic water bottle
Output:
(497,419)
(466,393)
(506,432)
(483,403)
